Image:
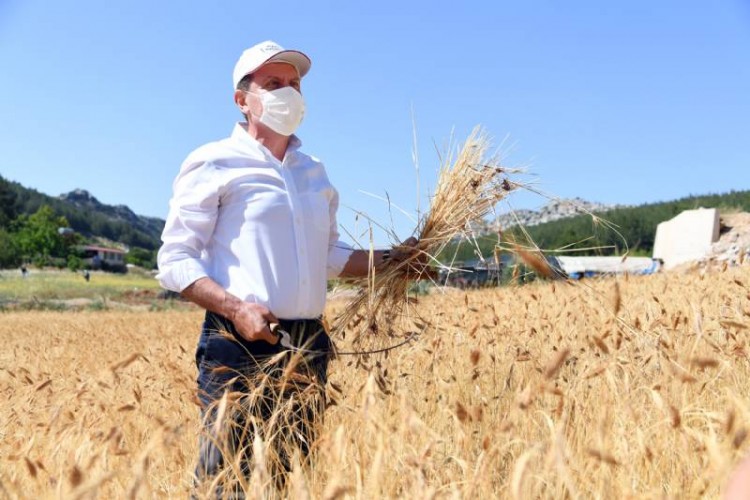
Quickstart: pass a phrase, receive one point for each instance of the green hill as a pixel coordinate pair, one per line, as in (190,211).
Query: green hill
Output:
(30,224)
(632,228)
(85,215)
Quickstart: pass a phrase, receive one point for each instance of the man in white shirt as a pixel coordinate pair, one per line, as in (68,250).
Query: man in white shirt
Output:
(251,236)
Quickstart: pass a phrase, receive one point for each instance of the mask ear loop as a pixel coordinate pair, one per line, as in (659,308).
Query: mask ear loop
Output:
(257,96)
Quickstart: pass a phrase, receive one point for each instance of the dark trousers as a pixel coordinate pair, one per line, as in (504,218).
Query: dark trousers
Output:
(270,390)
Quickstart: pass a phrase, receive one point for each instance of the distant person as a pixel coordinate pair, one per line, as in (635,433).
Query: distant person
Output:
(252,237)
(86,275)
(24,271)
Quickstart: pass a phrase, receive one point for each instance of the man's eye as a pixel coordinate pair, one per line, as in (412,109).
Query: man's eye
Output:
(271,84)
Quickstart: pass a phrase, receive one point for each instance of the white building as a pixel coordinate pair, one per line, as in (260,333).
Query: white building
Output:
(686,237)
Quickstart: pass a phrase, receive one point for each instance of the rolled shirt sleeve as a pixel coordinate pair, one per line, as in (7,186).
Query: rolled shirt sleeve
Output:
(192,217)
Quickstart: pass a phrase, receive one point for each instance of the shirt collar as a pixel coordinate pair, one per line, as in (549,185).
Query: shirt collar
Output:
(240,135)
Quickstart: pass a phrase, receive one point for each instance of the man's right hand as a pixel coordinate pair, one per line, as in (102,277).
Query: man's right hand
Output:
(252,322)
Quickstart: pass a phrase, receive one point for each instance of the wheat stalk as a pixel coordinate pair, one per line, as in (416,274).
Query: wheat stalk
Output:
(467,190)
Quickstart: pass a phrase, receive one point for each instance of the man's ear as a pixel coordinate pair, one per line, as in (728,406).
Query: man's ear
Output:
(241,99)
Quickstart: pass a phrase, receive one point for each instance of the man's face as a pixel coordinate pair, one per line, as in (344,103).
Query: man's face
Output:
(268,77)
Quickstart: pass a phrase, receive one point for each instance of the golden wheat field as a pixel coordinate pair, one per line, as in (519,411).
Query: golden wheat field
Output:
(635,387)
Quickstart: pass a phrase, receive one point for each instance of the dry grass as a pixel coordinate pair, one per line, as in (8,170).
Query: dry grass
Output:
(539,391)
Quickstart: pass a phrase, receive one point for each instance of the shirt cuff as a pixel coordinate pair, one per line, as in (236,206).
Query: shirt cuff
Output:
(338,256)
(181,275)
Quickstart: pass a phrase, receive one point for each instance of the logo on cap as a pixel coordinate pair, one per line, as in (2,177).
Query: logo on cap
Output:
(271,47)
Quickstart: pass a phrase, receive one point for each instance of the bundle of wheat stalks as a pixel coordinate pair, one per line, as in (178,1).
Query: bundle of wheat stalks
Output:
(467,191)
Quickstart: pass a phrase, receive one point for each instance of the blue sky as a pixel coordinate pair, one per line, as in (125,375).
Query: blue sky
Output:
(617,102)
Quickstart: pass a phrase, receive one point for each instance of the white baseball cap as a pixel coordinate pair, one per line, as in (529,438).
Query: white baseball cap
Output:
(265,52)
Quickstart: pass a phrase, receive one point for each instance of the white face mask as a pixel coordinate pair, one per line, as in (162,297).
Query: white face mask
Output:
(283,109)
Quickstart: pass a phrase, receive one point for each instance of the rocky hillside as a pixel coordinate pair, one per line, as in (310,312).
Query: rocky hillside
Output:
(87,215)
(84,200)
(552,211)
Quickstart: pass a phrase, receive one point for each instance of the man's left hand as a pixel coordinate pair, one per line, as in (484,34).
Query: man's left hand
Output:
(419,260)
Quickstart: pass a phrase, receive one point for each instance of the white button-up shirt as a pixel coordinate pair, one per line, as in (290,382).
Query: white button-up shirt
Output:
(263,229)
